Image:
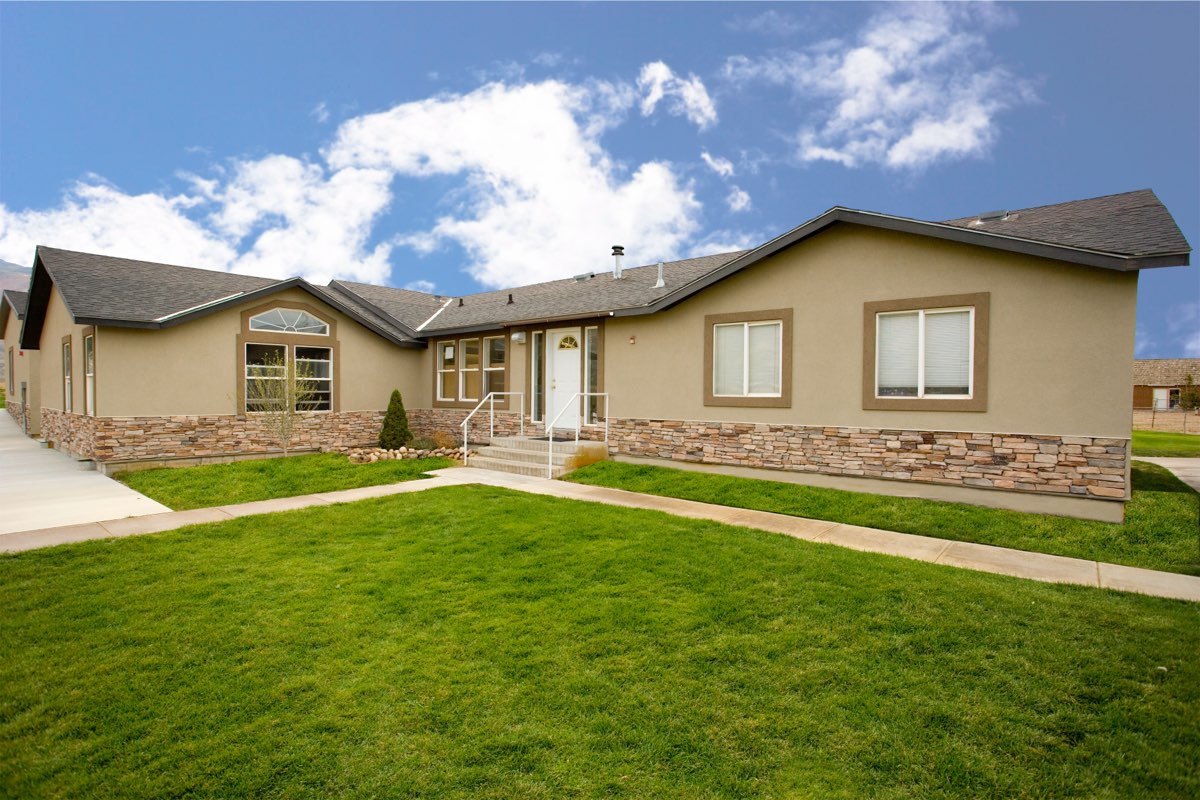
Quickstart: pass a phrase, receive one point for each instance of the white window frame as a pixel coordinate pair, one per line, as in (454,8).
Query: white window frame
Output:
(246,365)
(89,375)
(296,360)
(291,332)
(68,398)
(778,323)
(921,315)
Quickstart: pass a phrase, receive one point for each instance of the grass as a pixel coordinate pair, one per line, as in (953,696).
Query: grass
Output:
(480,643)
(1161,529)
(246,481)
(1161,444)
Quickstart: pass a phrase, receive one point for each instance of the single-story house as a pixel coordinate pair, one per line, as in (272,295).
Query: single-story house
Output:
(1159,382)
(858,347)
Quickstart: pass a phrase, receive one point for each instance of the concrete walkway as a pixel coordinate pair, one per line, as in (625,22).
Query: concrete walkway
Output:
(41,488)
(1186,469)
(980,557)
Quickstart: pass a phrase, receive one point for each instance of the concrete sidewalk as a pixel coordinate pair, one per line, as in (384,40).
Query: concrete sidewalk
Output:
(965,555)
(40,488)
(1186,469)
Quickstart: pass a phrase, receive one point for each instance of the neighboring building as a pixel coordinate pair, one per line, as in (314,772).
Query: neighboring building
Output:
(20,366)
(1158,382)
(949,356)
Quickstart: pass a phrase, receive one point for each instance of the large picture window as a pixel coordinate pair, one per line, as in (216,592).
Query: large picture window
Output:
(267,371)
(747,359)
(926,353)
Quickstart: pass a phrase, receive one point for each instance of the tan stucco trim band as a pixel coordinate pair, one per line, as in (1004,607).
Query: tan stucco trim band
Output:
(980,301)
(784,315)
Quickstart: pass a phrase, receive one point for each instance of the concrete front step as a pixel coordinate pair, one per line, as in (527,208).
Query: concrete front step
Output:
(524,456)
(541,445)
(533,470)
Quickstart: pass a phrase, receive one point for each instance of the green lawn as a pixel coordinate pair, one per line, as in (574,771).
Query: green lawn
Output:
(1166,445)
(245,481)
(471,642)
(1161,529)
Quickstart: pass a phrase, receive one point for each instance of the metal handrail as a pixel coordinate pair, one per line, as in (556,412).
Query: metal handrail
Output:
(491,400)
(563,410)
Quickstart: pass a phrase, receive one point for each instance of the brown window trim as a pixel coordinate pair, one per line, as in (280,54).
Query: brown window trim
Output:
(502,403)
(784,315)
(980,301)
(291,341)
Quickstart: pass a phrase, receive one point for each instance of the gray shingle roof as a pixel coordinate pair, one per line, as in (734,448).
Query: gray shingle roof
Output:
(1131,224)
(19,301)
(409,307)
(1165,371)
(103,287)
(343,300)
(568,297)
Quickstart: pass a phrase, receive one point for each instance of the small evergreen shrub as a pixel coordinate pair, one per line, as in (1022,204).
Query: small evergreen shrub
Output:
(395,431)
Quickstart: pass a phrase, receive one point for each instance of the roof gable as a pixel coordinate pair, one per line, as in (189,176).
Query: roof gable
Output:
(120,292)
(12,302)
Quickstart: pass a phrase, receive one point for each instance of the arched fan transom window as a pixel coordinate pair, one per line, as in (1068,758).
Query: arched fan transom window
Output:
(288,320)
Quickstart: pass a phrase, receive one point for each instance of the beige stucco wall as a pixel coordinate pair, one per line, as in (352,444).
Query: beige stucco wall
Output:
(25,368)
(58,324)
(1061,337)
(192,369)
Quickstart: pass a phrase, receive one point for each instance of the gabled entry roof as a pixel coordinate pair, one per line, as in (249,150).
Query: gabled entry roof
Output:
(125,293)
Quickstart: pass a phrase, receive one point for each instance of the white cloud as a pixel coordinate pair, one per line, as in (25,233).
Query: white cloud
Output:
(320,112)
(738,200)
(541,198)
(684,97)
(721,166)
(421,286)
(536,196)
(97,217)
(917,86)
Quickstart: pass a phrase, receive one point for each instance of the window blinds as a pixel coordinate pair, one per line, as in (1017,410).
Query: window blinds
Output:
(948,353)
(896,355)
(729,355)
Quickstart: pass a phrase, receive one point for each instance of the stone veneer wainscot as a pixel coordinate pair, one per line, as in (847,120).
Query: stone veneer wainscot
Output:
(150,438)
(1080,466)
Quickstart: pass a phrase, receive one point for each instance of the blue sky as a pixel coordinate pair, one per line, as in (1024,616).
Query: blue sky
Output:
(456,147)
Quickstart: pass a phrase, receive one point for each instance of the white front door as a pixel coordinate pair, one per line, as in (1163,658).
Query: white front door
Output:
(1162,399)
(562,378)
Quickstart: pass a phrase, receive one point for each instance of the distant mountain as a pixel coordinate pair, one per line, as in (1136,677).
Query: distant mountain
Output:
(13,276)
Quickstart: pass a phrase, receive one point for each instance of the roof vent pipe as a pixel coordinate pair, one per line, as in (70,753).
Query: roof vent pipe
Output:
(618,255)
(661,284)
(510,300)
(460,302)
